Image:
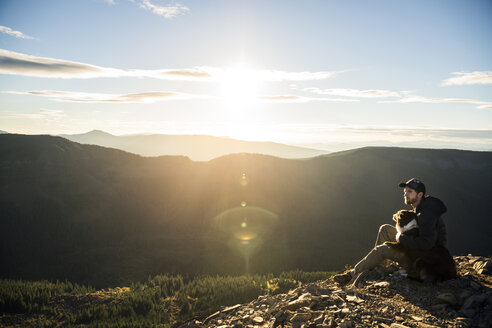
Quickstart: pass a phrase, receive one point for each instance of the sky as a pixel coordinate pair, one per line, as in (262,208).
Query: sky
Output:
(323,74)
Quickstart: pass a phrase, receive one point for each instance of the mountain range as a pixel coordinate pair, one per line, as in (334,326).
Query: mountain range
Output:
(104,216)
(196,147)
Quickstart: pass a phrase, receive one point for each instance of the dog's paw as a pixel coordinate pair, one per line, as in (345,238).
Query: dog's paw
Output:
(391,243)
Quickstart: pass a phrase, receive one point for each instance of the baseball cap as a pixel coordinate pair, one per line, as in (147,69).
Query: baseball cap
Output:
(415,184)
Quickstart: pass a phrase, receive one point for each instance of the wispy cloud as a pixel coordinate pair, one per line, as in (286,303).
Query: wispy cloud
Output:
(300,99)
(276,76)
(52,112)
(48,114)
(355,93)
(185,74)
(111,2)
(164,11)
(462,78)
(84,97)
(419,99)
(17,34)
(403,97)
(263,75)
(151,97)
(21,64)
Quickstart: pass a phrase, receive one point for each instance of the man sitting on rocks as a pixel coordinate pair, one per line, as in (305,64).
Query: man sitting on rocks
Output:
(432,232)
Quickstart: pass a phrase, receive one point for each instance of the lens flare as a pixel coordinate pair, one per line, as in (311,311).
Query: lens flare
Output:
(247,227)
(244,180)
(245,235)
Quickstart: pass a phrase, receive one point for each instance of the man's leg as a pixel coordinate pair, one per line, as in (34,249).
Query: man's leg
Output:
(376,256)
(387,232)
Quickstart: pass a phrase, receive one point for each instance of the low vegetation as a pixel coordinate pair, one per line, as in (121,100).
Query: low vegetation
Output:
(161,300)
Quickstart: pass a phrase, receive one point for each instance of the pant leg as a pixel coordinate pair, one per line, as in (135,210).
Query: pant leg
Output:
(376,256)
(387,232)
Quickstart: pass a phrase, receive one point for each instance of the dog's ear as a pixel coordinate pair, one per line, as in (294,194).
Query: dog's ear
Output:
(397,215)
(407,216)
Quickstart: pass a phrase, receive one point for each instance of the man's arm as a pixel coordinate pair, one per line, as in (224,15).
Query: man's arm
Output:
(427,233)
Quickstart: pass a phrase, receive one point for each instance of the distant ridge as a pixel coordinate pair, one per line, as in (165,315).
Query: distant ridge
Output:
(95,133)
(196,147)
(3,132)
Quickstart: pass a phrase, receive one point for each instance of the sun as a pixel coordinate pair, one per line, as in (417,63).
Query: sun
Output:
(239,88)
(239,93)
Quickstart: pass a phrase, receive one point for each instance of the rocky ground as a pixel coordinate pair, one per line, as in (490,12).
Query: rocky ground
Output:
(381,298)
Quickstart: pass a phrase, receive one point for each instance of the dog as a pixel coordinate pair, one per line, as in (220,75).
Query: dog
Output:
(432,265)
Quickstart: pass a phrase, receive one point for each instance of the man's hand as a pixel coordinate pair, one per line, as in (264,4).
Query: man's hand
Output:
(393,245)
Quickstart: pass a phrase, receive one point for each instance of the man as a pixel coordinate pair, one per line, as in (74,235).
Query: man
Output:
(432,231)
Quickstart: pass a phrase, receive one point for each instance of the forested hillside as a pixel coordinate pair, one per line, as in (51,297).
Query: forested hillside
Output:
(106,217)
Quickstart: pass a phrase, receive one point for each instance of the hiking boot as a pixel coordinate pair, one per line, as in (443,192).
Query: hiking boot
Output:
(343,278)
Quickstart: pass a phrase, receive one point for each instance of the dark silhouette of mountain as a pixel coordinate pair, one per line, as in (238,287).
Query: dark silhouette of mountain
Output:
(196,147)
(103,216)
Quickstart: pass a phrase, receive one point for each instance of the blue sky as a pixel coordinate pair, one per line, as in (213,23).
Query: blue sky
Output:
(313,73)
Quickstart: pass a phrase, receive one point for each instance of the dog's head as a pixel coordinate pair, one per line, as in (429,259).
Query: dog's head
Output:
(403,217)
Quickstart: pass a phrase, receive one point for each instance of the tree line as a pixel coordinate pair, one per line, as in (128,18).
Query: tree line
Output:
(161,300)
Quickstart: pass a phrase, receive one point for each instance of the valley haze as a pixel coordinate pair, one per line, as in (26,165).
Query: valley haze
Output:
(196,147)
(206,147)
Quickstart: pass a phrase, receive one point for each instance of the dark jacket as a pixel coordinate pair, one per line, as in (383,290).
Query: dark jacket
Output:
(432,230)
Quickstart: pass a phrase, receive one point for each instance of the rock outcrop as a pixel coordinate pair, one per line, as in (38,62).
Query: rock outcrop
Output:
(383,297)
